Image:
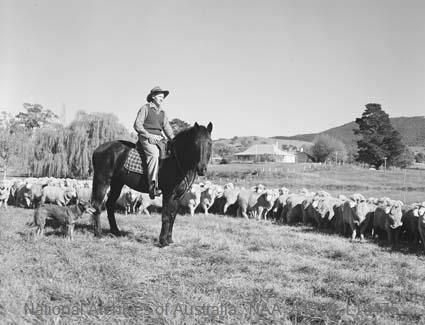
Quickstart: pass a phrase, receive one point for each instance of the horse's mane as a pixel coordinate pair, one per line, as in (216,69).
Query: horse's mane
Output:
(183,134)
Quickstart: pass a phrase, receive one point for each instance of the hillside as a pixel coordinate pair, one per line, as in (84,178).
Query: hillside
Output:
(411,128)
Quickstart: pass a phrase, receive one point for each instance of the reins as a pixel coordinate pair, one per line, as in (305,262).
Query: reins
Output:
(188,183)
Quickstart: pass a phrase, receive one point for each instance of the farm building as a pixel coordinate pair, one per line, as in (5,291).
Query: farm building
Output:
(266,152)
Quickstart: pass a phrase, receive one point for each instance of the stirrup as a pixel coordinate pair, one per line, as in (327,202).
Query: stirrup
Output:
(154,191)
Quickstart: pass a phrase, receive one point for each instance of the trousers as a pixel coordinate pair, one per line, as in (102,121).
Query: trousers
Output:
(152,160)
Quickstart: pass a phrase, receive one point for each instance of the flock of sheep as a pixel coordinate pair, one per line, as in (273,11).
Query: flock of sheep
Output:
(354,216)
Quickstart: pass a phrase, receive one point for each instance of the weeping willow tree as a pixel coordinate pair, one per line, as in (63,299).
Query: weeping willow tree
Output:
(79,153)
(87,132)
(50,154)
(67,152)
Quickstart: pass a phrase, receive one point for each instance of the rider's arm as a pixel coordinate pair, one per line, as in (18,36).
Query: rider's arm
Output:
(168,130)
(140,120)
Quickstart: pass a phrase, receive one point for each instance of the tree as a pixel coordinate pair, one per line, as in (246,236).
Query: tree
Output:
(378,139)
(326,147)
(247,142)
(86,133)
(5,138)
(67,152)
(5,120)
(14,143)
(404,159)
(4,150)
(223,150)
(178,125)
(35,116)
(352,153)
(22,129)
(50,154)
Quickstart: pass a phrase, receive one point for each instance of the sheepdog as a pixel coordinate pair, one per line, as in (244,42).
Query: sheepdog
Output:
(66,216)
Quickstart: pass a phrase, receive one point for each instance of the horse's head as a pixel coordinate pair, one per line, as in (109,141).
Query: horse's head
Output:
(193,148)
(203,145)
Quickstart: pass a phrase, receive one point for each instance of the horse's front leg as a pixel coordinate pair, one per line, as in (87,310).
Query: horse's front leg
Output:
(169,211)
(175,208)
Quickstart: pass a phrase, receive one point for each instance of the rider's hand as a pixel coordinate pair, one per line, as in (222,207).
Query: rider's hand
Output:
(154,139)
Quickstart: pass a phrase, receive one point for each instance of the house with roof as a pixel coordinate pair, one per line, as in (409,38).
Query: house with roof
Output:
(266,152)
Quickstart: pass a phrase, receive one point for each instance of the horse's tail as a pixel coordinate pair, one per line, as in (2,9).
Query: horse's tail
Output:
(108,160)
(99,193)
(100,186)
(104,159)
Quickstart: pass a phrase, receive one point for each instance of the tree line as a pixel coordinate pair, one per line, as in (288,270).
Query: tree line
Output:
(377,143)
(36,142)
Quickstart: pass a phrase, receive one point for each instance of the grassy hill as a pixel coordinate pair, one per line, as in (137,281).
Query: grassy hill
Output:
(411,128)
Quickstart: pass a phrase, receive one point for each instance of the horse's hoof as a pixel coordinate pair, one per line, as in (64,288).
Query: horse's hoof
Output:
(163,243)
(170,241)
(116,233)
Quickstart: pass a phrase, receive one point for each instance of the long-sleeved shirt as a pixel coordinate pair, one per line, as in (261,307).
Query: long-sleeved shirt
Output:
(140,120)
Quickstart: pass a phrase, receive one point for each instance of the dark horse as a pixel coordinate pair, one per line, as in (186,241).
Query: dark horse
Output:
(190,153)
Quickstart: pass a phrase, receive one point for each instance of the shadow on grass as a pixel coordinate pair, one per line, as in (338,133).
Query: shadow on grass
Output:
(403,247)
(142,238)
(54,228)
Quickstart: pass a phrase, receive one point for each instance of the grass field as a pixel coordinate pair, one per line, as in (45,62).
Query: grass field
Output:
(406,185)
(220,270)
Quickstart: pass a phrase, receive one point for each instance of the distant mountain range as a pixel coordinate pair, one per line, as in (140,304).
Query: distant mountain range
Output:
(412,130)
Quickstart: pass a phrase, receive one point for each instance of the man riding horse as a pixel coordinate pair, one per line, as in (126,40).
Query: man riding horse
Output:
(189,154)
(151,124)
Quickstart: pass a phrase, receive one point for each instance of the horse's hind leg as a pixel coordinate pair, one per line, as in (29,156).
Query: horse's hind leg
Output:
(113,196)
(99,190)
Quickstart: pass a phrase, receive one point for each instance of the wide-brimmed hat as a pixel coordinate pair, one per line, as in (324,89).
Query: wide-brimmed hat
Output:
(156,91)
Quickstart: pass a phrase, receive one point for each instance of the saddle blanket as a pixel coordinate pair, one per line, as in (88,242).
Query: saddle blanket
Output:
(133,162)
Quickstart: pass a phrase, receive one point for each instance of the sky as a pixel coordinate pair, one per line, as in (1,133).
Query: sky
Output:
(265,68)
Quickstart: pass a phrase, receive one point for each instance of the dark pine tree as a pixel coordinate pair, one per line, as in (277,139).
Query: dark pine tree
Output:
(378,139)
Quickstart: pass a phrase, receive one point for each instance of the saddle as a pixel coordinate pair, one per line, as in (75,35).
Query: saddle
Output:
(136,159)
